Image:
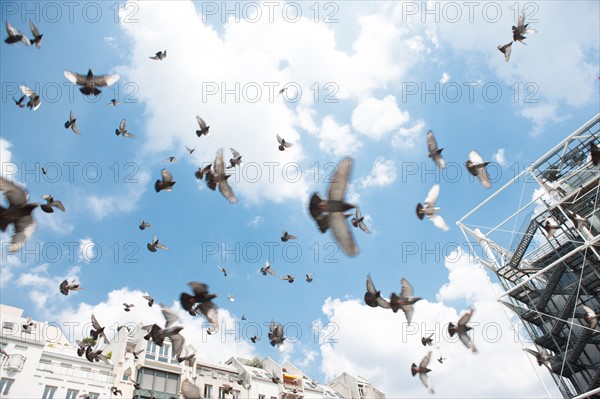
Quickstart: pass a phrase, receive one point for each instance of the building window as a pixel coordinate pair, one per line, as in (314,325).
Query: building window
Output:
(5,384)
(72,393)
(361,390)
(260,396)
(236,394)
(49,392)
(93,395)
(157,380)
(150,350)
(163,353)
(207,391)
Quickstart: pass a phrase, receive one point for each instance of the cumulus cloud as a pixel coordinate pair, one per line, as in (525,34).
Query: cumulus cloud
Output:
(382,341)
(87,251)
(102,205)
(337,138)
(382,174)
(376,118)
(499,157)
(42,287)
(445,78)
(8,167)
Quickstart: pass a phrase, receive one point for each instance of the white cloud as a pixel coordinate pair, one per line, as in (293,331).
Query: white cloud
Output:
(337,139)
(382,341)
(8,167)
(376,118)
(407,137)
(87,251)
(445,78)
(499,157)
(382,174)
(255,221)
(541,116)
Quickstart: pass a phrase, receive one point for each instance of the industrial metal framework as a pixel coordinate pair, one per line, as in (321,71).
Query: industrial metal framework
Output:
(549,277)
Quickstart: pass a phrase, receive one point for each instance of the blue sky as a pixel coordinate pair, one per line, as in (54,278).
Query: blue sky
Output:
(374,55)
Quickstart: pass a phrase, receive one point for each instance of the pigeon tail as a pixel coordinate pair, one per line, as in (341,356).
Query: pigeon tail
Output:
(3,222)
(413,369)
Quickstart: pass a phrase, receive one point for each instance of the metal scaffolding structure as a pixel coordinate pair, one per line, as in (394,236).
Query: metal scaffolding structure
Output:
(546,254)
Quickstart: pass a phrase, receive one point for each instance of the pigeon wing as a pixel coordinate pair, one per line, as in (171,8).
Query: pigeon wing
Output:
(76,78)
(439,222)
(170,317)
(225,189)
(433,195)
(167,177)
(407,289)
(342,233)
(464,319)
(201,122)
(190,391)
(338,185)
(106,80)
(15,195)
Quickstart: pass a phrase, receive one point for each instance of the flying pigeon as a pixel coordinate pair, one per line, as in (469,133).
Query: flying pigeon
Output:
(223,270)
(218,177)
(18,213)
(357,221)
(477,168)
(289,278)
(550,226)
(282,90)
(44,171)
(170,160)
(441,359)
(579,221)
(254,339)
(243,317)
(283,144)
(136,385)
(244,384)
(285,237)
(430,210)
(230,297)
(427,340)
(595,151)
(590,317)
(267,269)
(114,102)
(190,150)
(171,331)
(122,130)
(462,330)
(521,29)
(405,301)
(65,287)
(37,37)
(29,324)
(20,102)
(373,297)
(201,302)
(161,55)
(145,225)
(97,355)
(71,123)
(190,356)
(34,100)
(50,203)
(149,299)
(135,353)
(90,83)
(128,306)
(541,357)
(203,128)
(116,391)
(167,182)
(202,171)
(227,389)
(506,50)
(329,213)
(435,153)
(190,391)
(236,160)
(422,370)
(309,277)
(276,334)
(275,378)
(14,36)
(155,244)
(97,330)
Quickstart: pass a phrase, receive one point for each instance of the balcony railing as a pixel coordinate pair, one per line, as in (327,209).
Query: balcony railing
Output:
(15,362)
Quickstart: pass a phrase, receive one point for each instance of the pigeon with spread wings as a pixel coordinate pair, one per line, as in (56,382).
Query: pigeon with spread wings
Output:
(34,101)
(405,301)
(373,297)
(201,302)
(422,370)
(461,328)
(477,168)
(18,214)
(71,123)
(37,37)
(521,29)
(435,153)
(430,210)
(14,36)
(166,184)
(219,178)
(89,83)
(330,212)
